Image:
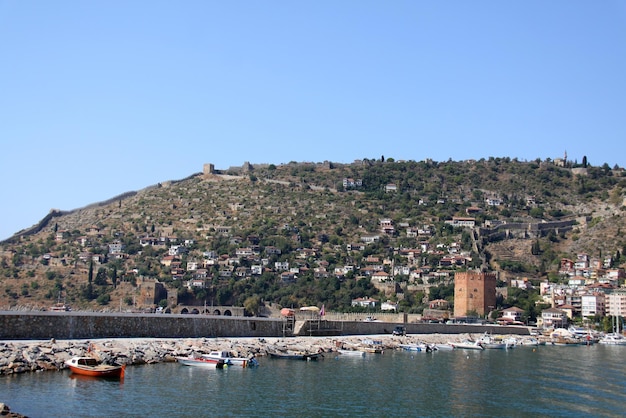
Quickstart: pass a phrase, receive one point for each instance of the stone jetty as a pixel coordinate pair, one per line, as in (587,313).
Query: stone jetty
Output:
(36,356)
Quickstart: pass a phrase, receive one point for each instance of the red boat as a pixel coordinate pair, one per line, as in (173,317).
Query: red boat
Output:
(89,366)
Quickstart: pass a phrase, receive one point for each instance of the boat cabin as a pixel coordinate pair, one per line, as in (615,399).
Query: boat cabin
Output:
(84,361)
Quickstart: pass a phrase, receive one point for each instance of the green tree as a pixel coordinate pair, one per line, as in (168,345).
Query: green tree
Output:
(101,277)
(113,275)
(252,305)
(103,299)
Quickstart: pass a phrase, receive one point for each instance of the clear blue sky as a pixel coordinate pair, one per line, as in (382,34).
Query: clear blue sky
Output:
(102,97)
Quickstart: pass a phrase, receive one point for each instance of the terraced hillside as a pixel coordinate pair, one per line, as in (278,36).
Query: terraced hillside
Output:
(302,234)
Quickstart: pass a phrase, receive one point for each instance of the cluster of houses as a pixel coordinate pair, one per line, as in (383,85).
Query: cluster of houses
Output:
(592,289)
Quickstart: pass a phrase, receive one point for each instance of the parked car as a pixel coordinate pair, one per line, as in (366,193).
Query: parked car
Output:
(399,330)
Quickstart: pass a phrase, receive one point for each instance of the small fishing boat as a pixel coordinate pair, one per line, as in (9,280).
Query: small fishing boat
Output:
(229,359)
(351,353)
(530,341)
(487,341)
(371,346)
(90,366)
(202,362)
(413,347)
(296,356)
(613,339)
(443,347)
(373,350)
(468,345)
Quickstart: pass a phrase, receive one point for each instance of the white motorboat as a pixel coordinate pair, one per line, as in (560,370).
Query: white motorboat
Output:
(487,341)
(351,353)
(201,362)
(228,358)
(613,339)
(468,345)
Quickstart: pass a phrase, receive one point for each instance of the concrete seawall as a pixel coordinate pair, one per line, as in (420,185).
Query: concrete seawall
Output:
(364,328)
(79,325)
(87,325)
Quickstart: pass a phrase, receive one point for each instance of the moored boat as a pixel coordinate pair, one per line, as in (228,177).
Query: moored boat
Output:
(613,338)
(413,347)
(351,353)
(296,356)
(90,366)
(373,350)
(487,341)
(468,345)
(201,362)
(529,341)
(229,359)
(443,347)
(565,341)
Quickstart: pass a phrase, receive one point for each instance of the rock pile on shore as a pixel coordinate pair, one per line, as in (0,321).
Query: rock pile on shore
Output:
(5,411)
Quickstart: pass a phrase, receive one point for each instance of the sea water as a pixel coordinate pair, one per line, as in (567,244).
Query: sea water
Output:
(544,381)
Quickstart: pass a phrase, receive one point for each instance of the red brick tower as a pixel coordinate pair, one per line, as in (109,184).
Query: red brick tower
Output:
(474,291)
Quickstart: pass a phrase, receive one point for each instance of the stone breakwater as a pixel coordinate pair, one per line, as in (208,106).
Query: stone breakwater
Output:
(50,355)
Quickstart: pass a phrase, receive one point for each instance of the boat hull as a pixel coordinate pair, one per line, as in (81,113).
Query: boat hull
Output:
(201,362)
(306,357)
(412,347)
(612,339)
(495,346)
(351,353)
(468,346)
(96,370)
(230,360)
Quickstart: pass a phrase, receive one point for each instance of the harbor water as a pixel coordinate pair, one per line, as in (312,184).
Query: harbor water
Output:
(544,381)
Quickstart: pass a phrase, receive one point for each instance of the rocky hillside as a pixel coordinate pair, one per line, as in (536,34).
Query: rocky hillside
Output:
(331,224)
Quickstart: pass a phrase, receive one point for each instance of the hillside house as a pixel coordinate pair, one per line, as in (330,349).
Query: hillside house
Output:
(592,304)
(461,222)
(270,250)
(350,183)
(177,250)
(287,277)
(364,302)
(244,252)
(512,314)
(355,247)
(116,247)
(616,303)
(412,232)
(386,226)
(196,284)
(243,272)
(380,276)
(390,188)
(226,272)
(389,306)
(554,318)
(320,272)
(370,238)
(439,304)
(200,274)
(168,260)
(281,265)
